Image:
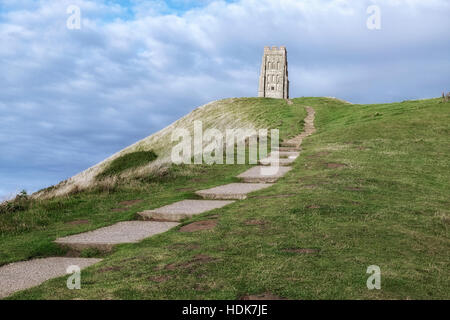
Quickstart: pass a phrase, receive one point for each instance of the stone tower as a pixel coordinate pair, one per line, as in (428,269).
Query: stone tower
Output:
(273,81)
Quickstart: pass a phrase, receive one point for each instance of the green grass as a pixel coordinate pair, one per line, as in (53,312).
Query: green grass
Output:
(370,188)
(128,161)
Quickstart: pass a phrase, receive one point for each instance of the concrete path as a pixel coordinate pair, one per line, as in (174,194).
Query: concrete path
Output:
(26,274)
(104,239)
(183,209)
(309,129)
(276,161)
(287,153)
(263,174)
(234,191)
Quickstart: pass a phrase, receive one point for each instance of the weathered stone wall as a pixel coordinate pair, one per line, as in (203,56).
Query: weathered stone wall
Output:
(273,81)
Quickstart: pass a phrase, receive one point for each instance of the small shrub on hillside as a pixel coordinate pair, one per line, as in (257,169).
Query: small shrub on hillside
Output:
(128,161)
(20,203)
(174,171)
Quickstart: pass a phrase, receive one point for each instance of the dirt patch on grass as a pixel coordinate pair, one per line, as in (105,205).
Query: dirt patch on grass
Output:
(302,250)
(333,165)
(262,296)
(160,279)
(313,206)
(319,154)
(199,226)
(353,188)
(78,222)
(109,269)
(255,222)
(134,259)
(129,203)
(72,253)
(199,180)
(197,260)
(184,246)
(201,287)
(125,205)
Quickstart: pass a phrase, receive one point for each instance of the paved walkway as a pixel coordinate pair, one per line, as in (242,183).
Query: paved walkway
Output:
(183,209)
(104,239)
(236,191)
(26,274)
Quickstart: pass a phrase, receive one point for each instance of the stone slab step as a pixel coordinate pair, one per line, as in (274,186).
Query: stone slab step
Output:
(27,274)
(263,174)
(274,161)
(183,209)
(235,191)
(104,239)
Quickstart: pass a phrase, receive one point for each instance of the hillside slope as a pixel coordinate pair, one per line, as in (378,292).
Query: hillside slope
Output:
(251,113)
(370,188)
(29,226)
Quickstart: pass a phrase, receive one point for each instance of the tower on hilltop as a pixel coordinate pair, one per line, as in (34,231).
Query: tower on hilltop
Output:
(273,81)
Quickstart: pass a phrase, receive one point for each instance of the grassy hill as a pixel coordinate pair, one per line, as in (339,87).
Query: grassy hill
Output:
(369,188)
(229,113)
(93,198)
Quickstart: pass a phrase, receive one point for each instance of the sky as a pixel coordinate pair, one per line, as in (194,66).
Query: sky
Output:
(71,97)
